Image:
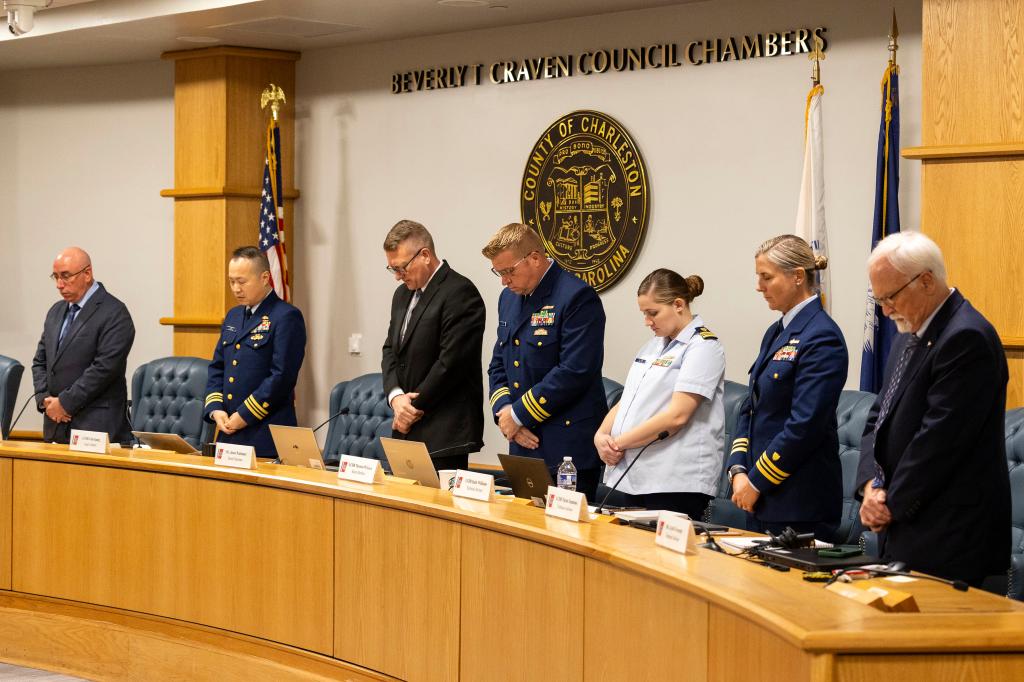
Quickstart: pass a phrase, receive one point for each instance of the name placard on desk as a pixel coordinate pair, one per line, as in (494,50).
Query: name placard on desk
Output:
(97,442)
(235,456)
(566,504)
(473,485)
(675,532)
(360,469)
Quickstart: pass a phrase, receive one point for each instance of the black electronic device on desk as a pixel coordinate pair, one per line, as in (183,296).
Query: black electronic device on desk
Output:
(812,558)
(699,527)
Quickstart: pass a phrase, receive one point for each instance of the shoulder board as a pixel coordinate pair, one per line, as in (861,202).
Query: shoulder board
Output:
(706,333)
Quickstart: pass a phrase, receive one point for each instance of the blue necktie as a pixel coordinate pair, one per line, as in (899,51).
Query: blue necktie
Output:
(897,378)
(69,319)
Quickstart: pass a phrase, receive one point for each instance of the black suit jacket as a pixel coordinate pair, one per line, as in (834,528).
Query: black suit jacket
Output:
(87,372)
(942,449)
(440,359)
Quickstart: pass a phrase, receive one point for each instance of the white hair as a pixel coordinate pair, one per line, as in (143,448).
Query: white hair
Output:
(911,253)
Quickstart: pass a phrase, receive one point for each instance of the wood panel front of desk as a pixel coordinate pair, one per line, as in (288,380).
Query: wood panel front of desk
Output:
(148,569)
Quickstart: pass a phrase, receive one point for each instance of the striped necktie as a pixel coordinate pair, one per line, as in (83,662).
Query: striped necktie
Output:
(408,314)
(897,378)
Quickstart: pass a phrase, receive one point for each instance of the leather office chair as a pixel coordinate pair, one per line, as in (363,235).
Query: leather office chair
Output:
(612,395)
(167,397)
(10,379)
(721,509)
(1012,584)
(369,418)
(612,391)
(851,414)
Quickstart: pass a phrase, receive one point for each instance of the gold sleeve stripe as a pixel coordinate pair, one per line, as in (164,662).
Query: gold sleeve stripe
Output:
(767,474)
(255,408)
(536,404)
(498,393)
(779,473)
(745,441)
(214,398)
(529,408)
(738,448)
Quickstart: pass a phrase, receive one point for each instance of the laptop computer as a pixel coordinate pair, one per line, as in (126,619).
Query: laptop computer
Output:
(297,446)
(166,441)
(528,476)
(410,459)
(808,559)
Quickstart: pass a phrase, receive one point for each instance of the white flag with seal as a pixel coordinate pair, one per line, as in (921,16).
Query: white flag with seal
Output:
(810,212)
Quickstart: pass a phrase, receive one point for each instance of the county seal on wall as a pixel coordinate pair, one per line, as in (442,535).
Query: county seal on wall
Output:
(585,191)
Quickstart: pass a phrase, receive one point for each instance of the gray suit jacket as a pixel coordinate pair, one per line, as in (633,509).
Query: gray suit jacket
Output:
(87,372)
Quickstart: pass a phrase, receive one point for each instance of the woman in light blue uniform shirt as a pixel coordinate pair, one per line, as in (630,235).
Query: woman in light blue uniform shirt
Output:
(675,384)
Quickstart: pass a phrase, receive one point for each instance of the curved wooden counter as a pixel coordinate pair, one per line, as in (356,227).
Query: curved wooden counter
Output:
(162,566)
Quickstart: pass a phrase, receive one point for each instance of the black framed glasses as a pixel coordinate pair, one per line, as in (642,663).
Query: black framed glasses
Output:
(402,270)
(891,298)
(65,277)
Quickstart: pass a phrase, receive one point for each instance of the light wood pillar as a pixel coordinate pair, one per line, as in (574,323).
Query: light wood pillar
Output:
(972,154)
(219,150)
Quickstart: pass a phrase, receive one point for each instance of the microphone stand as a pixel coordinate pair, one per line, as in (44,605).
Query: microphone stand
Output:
(661,436)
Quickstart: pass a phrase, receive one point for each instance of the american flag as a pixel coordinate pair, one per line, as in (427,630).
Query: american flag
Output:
(271,231)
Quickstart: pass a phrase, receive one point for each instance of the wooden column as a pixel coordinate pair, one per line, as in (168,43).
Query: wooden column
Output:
(219,150)
(972,153)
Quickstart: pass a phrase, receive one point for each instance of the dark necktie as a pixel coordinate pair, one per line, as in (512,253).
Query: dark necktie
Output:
(897,378)
(69,316)
(246,315)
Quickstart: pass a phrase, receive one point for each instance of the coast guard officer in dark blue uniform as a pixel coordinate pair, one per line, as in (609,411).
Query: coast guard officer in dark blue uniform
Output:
(256,362)
(784,464)
(546,392)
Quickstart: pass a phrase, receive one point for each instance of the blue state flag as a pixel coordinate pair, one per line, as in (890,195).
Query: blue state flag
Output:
(879,331)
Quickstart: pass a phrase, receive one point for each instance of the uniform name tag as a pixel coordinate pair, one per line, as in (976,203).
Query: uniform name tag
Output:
(89,441)
(474,486)
(675,532)
(566,504)
(235,456)
(360,469)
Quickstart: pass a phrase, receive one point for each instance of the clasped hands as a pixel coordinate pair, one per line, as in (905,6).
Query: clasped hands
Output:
(226,424)
(54,410)
(516,432)
(608,449)
(744,494)
(405,414)
(874,513)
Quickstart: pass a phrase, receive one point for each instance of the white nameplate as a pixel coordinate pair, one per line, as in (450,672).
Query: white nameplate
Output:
(236,456)
(360,469)
(675,532)
(473,485)
(89,441)
(566,504)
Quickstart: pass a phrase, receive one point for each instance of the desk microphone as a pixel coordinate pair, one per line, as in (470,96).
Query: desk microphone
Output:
(896,568)
(27,401)
(661,436)
(340,412)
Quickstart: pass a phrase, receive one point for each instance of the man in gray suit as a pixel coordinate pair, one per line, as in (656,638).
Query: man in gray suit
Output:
(79,367)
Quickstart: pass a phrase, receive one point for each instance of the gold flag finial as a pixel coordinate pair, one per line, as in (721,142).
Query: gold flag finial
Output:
(894,34)
(817,55)
(274,96)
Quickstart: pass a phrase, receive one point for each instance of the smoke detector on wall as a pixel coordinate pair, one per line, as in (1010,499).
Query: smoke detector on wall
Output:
(21,14)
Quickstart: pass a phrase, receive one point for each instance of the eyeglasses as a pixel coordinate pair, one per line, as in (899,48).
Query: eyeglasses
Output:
(65,277)
(891,298)
(402,270)
(507,272)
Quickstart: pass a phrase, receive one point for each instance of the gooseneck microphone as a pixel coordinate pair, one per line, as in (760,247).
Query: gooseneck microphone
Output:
(22,411)
(661,436)
(334,416)
(896,568)
(439,451)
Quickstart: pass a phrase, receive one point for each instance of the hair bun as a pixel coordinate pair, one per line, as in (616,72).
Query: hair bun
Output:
(695,284)
(820,262)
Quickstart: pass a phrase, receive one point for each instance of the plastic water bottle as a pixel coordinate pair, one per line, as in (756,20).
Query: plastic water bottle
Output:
(567,474)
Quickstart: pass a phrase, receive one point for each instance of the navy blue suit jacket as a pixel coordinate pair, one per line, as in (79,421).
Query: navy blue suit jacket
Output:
(786,434)
(942,449)
(254,369)
(547,364)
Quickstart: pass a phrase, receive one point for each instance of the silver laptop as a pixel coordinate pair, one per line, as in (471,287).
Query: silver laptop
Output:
(297,446)
(410,459)
(166,441)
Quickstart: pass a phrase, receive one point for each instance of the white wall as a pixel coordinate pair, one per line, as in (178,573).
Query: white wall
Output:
(85,154)
(723,144)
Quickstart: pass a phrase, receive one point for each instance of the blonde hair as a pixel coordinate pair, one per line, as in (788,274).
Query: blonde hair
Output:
(665,286)
(515,236)
(790,253)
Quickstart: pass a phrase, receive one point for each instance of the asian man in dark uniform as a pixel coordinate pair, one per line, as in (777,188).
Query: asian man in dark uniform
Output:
(78,371)
(546,392)
(431,357)
(256,361)
(933,458)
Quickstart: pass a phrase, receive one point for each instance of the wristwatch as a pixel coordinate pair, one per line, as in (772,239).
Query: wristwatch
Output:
(736,469)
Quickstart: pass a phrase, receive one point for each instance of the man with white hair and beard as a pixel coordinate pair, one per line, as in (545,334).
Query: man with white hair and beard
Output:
(933,458)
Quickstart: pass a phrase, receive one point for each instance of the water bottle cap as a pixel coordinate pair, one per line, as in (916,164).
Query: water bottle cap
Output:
(567,459)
